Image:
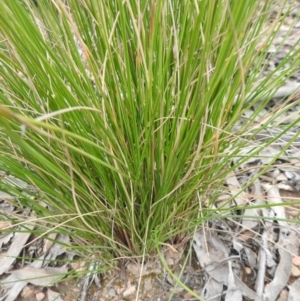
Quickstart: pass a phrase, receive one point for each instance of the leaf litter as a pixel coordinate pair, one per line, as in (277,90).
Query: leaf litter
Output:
(235,259)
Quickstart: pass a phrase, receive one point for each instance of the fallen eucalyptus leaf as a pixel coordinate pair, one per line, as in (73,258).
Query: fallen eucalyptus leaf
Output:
(42,277)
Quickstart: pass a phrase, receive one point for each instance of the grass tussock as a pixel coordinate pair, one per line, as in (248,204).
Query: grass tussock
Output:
(120,114)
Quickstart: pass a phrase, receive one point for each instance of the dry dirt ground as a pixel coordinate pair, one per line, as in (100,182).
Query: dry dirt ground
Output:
(233,259)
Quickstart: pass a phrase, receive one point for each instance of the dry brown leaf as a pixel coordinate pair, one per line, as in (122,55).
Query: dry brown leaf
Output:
(42,277)
(275,198)
(294,290)
(212,290)
(281,277)
(212,253)
(5,238)
(235,189)
(13,288)
(233,292)
(49,243)
(15,249)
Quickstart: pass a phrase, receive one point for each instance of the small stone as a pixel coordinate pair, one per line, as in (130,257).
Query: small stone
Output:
(296,260)
(40,296)
(295,271)
(129,291)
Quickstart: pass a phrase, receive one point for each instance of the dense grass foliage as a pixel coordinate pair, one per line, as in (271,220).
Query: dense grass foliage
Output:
(119,114)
